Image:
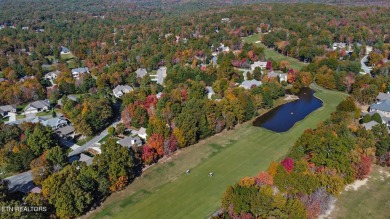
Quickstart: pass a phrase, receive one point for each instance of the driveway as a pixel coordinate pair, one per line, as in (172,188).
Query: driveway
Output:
(366,69)
(93,141)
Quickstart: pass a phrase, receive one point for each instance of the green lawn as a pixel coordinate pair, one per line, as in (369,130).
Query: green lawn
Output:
(368,201)
(67,56)
(270,53)
(81,142)
(164,191)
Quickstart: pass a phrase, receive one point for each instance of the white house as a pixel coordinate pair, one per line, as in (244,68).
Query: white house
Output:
(141,72)
(223,48)
(120,90)
(225,20)
(382,108)
(55,123)
(248,84)
(142,133)
(370,125)
(159,95)
(78,71)
(259,64)
(37,106)
(282,76)
(210,92)
(159,77)
(64,50)
(4,110)
(130,141)
(52,75)
(339,46)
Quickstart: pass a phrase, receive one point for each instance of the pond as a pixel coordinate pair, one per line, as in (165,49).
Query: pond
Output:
(283,117)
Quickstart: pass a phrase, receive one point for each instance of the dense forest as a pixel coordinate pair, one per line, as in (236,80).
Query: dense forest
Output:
(114,39)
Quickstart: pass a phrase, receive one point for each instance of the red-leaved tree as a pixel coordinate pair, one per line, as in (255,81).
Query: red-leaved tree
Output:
(156,141)
(264,178)
(149,155)
(288,164)
(362,168)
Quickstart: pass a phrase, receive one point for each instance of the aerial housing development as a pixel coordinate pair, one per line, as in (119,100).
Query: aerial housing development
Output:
(194,109)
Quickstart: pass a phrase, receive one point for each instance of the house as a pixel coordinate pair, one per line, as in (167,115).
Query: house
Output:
(223,48)
(210,92)
(22,79)
(214,60)
(369,125)
(22,182)
(259,64)
(383,97)
(248,84)
(55,123)
(64,50)
(78,71)
(383,108)
(142,133)
(37,106)
(161,74)
(339,46)
(225,20)
(282,76)
(141,72)
(120,90)
(130,141)
(52,75)
(70,97)
(65,131)
(24,28)
(85,158)
(159,95)
(36,190)
(4,110)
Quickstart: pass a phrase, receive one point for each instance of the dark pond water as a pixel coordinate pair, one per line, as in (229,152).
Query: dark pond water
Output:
(283,117)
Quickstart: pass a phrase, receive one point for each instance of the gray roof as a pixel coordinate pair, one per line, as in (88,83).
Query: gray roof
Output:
(122,88)
(64,49)
(272,74)
(54,122)
(141,72)
(39,104)
(66,130)
(50,74)
(210,90)
(85,158)
(249,83)
(383,97)
(21,182)
(130,141)
(161,73)
(382,106)
(369,125)
(142,131)
(80,70)
(7,108)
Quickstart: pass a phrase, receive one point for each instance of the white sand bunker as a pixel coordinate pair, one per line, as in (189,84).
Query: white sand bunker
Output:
(258,42)
(356,185)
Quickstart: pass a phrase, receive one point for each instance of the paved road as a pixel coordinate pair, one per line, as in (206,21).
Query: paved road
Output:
(366,69)
(92,141)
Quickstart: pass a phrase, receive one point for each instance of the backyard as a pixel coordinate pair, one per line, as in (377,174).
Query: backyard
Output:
(370,200)
(165,191)
(270,53)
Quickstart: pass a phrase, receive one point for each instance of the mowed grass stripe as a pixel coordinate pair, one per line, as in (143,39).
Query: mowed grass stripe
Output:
(231,156)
